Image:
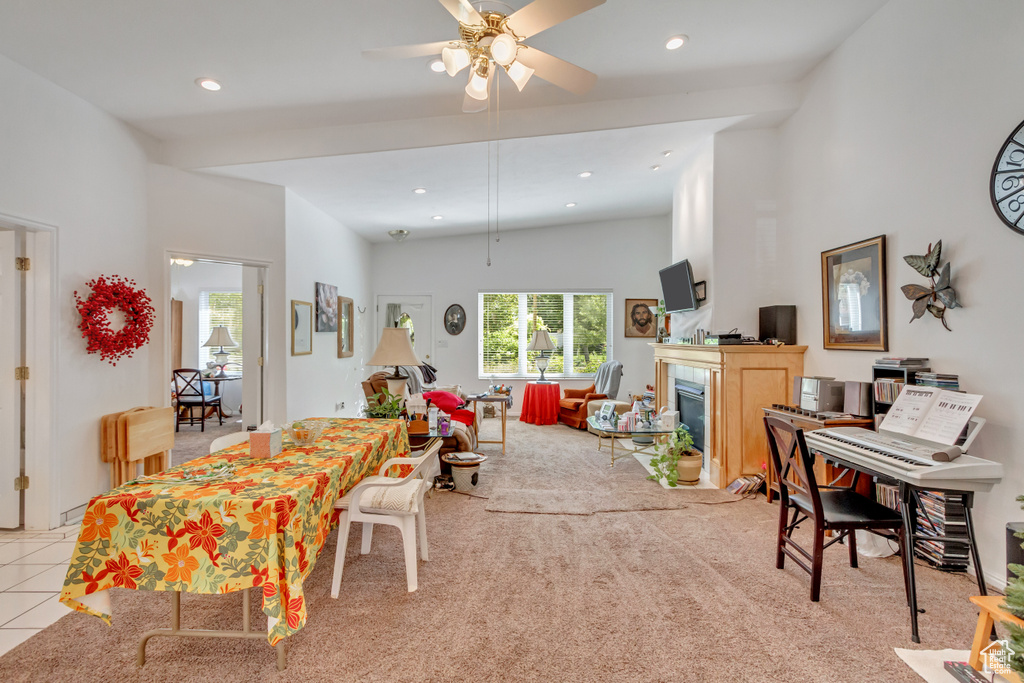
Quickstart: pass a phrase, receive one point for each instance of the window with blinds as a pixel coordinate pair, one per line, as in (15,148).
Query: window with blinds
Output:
(221,308)
(579,324)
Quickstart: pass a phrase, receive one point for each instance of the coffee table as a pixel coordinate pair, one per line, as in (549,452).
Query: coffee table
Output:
(605,430)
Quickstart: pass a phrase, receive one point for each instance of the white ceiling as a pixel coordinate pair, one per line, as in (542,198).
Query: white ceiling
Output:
(301,107)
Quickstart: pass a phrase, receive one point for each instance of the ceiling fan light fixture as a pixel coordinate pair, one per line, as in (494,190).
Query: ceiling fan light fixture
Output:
(676,42)
(455,59)
(478,84)
(519,74)
(398,235)
(504,49)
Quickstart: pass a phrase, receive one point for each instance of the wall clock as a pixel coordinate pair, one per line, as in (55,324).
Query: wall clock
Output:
(1008,181)
(455,319)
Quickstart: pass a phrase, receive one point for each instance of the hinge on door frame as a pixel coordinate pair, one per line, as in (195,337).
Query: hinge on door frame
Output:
(259,289)
(259,361)
(22,263)
(21,483)
(21,373)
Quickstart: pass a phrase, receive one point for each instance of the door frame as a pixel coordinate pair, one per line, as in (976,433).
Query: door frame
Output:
(41,288)
(265,332)
(378,314)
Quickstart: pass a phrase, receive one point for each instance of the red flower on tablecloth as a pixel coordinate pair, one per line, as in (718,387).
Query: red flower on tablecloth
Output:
(284,507)
(300,547)
(123,572)
(180,564)
(294,609)
(97,523)
(262,521)
(205,533)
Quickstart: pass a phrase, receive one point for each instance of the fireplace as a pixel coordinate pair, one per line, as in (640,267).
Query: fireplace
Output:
(690,404)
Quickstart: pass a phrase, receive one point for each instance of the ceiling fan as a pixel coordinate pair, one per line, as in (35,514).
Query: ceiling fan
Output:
(490,38)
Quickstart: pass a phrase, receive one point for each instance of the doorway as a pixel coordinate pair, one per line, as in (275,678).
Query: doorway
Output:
(413,311)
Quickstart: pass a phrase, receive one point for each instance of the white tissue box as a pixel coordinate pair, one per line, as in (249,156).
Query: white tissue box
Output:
(265,444)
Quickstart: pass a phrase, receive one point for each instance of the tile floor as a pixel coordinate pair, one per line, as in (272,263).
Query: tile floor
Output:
(32,569)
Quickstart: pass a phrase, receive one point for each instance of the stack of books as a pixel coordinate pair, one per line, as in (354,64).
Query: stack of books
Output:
(746,484)
(936,379)
(901,362)
(888,388)
(888,495)
(942,514)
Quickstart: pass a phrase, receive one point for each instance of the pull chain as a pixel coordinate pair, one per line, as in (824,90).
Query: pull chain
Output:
(497,162)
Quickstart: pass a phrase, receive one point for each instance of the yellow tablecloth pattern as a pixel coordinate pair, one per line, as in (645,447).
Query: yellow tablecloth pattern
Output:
(263,525)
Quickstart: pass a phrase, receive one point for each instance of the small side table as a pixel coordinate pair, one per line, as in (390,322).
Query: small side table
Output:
(505,400)
(540,403)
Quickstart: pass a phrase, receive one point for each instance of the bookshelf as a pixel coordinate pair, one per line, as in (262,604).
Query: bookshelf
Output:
(890,375)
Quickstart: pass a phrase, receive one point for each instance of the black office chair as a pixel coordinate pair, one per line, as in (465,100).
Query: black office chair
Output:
(835,508)
(190,389)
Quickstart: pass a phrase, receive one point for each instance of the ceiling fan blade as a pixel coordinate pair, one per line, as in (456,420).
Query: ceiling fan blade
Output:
(543,14)
(556,71)
(406,51)
(463,11)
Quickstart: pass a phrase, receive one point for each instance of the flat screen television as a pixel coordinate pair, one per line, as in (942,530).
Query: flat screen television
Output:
(678,288)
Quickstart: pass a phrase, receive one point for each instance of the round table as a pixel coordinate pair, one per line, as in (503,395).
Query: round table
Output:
(540,403)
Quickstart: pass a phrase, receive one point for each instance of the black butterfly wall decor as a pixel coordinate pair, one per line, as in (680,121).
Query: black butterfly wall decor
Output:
(941,296)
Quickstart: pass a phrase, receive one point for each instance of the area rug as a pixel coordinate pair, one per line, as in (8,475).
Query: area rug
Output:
(928,664)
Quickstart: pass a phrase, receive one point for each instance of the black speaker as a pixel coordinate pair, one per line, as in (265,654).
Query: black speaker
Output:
(777,322)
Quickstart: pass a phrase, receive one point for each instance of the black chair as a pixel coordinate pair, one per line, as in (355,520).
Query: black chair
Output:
(190,389)
(839,509)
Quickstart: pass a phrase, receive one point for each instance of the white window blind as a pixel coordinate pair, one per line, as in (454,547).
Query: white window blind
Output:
(579,324)
(220,308)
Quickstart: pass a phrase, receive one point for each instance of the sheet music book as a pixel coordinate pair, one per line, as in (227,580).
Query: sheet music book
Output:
(932,414)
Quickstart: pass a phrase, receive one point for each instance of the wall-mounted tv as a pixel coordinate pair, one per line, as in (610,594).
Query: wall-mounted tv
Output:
(678,288)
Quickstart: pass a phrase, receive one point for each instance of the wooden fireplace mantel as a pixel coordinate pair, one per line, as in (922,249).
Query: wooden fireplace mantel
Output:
(743,379)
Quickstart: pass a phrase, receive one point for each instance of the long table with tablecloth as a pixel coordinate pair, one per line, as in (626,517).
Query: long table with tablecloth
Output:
(249,523)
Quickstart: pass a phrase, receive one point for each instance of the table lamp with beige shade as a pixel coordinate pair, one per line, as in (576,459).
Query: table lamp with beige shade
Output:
(219,336)
(541,341)
(395,348)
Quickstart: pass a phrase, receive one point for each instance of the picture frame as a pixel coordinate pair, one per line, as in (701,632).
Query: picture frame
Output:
(853,296)
(326,307)
(302,328)
(346,327)
(641,319)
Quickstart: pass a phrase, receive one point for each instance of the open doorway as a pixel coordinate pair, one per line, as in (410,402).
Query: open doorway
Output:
(217,328)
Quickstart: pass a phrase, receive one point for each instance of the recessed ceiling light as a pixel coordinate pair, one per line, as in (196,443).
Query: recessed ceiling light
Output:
(208,84)
(436,65)
(667,153)
(655,167)
(570,205)
(586,174)
(420,190)
(676,42)
(437,218)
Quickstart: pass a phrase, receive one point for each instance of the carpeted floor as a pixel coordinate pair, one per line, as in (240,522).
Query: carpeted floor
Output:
(603,576)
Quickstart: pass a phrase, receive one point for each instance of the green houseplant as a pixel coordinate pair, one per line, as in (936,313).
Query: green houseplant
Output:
(676,460)
(384,405)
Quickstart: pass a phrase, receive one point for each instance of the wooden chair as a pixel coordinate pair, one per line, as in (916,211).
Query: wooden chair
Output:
(191,393)
(829,508)
(378,499)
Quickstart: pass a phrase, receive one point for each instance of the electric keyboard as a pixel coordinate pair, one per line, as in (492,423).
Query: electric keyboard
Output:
(904,459)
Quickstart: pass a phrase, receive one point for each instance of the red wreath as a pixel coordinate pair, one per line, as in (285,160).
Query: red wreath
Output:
(109,294)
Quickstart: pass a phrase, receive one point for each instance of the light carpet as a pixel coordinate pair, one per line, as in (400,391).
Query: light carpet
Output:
(683,594)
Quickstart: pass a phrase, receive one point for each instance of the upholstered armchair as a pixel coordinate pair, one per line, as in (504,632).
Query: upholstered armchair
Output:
(463,439)
(572,409)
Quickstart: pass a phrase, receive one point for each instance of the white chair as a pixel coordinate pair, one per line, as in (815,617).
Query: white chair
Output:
(222,442)
(378,499)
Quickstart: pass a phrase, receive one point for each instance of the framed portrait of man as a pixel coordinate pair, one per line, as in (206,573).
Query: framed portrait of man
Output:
(641,320)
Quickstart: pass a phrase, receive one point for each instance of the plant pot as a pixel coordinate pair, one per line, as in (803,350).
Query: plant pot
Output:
(688,468)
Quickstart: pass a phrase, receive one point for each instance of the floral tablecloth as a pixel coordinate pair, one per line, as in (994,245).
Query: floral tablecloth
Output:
(252,523)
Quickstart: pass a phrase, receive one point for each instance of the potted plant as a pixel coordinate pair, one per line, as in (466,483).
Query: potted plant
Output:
(384,405)
(677,462)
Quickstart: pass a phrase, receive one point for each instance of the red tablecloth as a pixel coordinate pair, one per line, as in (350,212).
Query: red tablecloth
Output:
(540,403)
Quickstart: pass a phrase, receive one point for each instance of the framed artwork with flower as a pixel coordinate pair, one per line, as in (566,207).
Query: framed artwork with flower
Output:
(853,296)
(326,307)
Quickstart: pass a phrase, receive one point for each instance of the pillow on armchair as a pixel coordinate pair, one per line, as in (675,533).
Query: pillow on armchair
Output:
(451,404)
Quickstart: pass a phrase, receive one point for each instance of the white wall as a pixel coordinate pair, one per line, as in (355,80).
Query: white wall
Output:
(693,233)
(622,256)
(897,136)
(67,164)
(322,250)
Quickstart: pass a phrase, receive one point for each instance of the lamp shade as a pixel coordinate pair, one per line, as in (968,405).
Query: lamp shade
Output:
(219,336)
(455,59)
(541,342)
(519,74)
(395,348)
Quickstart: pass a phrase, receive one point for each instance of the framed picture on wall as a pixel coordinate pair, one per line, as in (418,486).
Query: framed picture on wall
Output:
(853,295)
(326,308)
(640,318)
(345,327)
(302,328)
